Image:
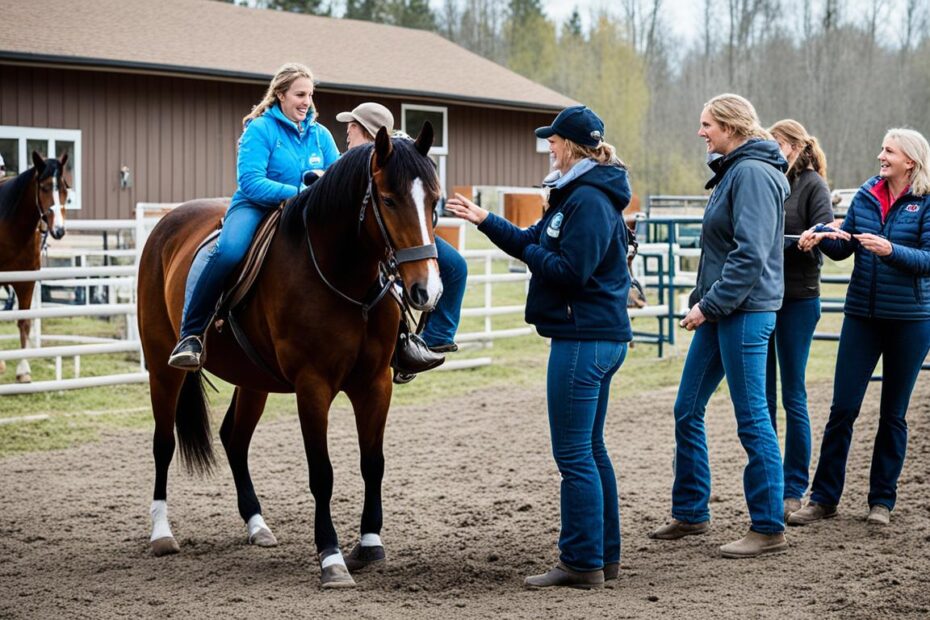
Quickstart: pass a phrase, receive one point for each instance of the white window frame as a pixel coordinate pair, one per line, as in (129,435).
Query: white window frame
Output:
(444,149)
(542,145)
(52,137)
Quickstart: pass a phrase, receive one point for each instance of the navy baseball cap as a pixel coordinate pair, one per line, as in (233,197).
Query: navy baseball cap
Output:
(578,124)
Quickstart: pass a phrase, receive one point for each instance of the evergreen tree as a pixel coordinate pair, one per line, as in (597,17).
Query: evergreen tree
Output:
(308,7)
(572,27)
(368,10)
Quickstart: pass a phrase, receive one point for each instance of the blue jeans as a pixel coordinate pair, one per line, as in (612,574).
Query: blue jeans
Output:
(209,272)
(735,347)
(794,330)
(903,346)
(577,390)
(443,321)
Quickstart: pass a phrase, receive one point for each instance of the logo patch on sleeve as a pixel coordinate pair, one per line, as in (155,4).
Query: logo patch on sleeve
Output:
(553,229)
(912,208)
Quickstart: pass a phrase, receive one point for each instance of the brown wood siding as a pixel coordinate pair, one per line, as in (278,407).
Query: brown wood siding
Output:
(178,136)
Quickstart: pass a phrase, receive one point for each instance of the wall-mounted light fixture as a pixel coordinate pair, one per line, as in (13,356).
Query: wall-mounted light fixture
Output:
(125,177)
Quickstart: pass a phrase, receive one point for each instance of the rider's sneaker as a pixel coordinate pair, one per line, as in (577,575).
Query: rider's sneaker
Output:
(187,354)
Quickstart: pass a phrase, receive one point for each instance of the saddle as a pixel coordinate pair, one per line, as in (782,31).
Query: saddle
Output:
(246,274)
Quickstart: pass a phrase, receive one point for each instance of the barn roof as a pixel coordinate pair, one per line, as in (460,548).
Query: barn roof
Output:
(217,39)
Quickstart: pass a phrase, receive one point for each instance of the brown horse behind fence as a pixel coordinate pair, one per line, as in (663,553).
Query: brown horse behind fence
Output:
(310,326)
(31,205)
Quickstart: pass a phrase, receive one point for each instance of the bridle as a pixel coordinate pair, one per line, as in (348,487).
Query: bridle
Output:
(389,272)
(43,224)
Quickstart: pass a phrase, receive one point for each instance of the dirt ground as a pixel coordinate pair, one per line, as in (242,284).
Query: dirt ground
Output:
(471,506)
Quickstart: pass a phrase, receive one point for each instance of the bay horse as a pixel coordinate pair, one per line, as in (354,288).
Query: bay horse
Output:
(313,321)
(31,205)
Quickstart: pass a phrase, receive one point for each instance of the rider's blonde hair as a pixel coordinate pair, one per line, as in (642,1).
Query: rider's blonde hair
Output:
(810,155)
(737,115)
(280,83)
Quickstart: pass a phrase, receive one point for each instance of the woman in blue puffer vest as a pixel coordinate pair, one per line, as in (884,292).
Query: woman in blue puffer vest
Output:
(281,142)
(887,316)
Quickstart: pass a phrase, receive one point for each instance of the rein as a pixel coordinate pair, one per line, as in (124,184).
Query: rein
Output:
(389,273)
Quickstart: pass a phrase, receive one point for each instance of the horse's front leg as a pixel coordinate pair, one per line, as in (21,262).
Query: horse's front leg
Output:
(24,292)
(314,397)
(371,405)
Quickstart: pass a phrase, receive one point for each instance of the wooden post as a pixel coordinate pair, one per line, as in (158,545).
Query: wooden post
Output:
(523,209)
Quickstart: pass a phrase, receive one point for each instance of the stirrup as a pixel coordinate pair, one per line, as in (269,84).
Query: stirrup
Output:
(187,354)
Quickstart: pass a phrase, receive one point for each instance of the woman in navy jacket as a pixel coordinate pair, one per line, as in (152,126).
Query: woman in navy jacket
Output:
(739,288)
(887,315)
(577,297)
(280,143)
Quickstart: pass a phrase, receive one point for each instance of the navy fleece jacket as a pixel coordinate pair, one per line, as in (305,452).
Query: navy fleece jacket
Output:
(577,256)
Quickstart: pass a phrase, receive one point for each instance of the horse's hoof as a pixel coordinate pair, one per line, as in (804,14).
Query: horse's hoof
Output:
(365,557)
(336,576)
(263,538)
(26,378)
(165,546)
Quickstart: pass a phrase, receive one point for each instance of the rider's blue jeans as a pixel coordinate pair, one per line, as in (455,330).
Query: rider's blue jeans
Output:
(444,319)
(791,344)
(903,347)
(735,347)
(210,270)
(577,391)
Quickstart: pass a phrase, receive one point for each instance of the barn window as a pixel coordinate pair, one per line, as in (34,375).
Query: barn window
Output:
(413,117)
(17,144)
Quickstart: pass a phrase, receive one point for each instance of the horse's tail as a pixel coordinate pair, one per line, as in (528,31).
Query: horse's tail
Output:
(192,420)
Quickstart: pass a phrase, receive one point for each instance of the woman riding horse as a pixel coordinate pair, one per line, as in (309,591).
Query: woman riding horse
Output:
(314,319)
(31,206)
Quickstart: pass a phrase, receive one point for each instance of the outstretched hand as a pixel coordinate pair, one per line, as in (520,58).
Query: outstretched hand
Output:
(874,243)
(810,238)
(462,207)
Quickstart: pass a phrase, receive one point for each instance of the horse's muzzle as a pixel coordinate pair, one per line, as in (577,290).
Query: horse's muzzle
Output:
(58,232)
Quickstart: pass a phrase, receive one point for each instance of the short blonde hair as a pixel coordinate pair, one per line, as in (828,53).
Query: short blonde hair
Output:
(914,146)
(603,153)
(737,115)
(286,75)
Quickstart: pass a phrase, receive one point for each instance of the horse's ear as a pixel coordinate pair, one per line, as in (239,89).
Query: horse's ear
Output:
(64,159)
(383,147)
(38,162)
(425,139)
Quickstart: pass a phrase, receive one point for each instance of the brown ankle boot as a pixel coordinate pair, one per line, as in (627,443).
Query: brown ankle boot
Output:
(562,575)
(811,513)
(791,505)
(676,529)
(755,544)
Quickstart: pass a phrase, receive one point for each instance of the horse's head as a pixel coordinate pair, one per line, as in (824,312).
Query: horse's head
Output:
(51,193)
(406,187)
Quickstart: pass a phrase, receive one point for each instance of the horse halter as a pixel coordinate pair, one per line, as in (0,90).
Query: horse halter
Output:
(44,215)
(395,257)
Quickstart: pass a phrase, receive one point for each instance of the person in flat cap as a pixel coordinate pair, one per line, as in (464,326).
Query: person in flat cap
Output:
(577,297)
(364,122)
(425,351)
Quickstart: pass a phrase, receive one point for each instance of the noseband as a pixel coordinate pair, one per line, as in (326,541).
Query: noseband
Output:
(393,257)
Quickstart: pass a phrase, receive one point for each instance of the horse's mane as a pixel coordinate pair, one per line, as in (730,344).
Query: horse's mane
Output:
(11,192)
(343,186)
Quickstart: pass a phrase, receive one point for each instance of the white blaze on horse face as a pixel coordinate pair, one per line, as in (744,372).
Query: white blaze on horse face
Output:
(433,282)
(56,207)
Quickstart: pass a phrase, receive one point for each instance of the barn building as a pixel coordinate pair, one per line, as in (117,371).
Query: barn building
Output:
(148,97)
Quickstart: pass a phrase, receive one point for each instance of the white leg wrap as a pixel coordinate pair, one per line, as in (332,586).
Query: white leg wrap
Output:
(255,524)
(333,559)
(371,540)
(160,527)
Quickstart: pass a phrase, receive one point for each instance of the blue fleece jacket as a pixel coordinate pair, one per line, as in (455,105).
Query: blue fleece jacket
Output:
(577,256)
(274,154)
(742,235)
(896,286)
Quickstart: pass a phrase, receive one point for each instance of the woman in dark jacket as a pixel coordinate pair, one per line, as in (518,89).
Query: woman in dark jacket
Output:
(887,315)
(739,289)
(577,296)
(809,204)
